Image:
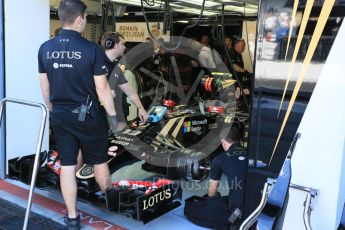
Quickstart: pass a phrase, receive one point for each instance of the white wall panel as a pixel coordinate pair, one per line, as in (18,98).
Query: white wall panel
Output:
(318,160)
(26,28)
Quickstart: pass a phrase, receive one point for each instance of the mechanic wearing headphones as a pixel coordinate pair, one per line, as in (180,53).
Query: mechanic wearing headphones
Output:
(113,44)
(218,212)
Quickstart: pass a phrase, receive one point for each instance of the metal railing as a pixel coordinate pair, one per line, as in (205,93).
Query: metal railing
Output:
(255,214)
(311,194)
(38,147)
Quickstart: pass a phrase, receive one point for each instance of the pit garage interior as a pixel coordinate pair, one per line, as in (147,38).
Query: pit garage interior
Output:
(164,163)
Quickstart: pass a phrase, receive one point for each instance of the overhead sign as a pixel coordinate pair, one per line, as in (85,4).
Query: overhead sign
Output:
(137,31)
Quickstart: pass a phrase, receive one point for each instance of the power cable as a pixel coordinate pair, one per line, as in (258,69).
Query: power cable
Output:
(158,16)
(214,30)
(150,3)
(230,62)
(166,18)
(183,32)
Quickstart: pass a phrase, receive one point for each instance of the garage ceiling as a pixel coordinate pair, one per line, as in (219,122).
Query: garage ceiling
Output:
(212,7)
(248,8)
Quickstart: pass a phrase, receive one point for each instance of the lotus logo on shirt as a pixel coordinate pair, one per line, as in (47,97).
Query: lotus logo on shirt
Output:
(64,55)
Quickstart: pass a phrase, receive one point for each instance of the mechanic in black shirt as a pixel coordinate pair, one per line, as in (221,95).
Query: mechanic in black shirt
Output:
(236,56)
(243,75)
(222,212)
(73,84)
(232,163)
(113,44)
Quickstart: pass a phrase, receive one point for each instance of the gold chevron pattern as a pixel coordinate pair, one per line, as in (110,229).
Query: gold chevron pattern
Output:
(324,15)
(305,18)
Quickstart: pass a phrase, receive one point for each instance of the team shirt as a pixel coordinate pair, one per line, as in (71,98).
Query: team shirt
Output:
(233,164)
(71,62)
(236,58)
(117,78)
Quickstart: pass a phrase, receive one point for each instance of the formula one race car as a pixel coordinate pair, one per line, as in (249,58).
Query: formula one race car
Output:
(178,146)
(179,140)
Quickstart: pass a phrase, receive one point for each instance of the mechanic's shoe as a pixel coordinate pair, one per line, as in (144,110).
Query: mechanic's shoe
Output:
(72,223)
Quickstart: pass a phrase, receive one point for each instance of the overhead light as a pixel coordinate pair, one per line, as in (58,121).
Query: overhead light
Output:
(137,3)
(128,2)
(199,3)
(194,6)
(177,4)
(248,10)
(251,6)
(253,2)
(233,8)
(194,11)
(182,21)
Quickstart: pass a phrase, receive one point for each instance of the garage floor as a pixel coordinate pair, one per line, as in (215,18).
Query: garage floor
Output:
(49,202)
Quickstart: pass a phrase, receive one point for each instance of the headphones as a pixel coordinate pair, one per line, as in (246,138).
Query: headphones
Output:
(112,40)
(109,43)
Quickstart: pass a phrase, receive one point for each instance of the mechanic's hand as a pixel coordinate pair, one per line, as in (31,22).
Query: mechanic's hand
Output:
(122,67)
(237,93)
(143,115)
(111,150)
(112,123)
(246,91)
(215,195)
